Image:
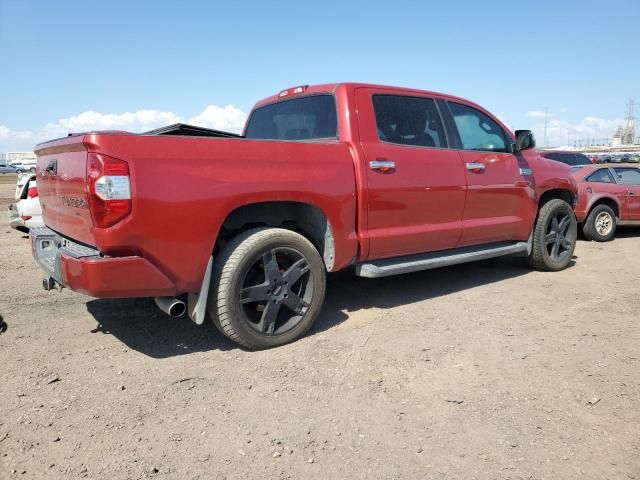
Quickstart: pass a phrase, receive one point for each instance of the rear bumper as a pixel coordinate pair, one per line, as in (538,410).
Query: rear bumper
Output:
(86,270)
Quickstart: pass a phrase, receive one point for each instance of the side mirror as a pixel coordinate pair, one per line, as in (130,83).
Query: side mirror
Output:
(524,140)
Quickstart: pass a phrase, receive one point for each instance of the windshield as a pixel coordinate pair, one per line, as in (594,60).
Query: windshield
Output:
(303,118)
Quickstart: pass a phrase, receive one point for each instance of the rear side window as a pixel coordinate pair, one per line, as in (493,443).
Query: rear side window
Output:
(628,176)
(566,158)
(477,131)
(602,176)
(408,121)
(582,159)
(304,118)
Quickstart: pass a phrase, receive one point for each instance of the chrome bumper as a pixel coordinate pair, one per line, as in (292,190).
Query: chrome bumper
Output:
(48,247)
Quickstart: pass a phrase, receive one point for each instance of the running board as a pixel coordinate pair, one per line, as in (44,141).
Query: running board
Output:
(427,261)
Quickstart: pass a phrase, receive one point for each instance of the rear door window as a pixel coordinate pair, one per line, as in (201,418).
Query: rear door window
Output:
(602,175)
(304,118)
(477,131)
(409,121)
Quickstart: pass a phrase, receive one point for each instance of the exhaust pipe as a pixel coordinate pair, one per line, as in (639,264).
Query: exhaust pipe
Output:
(172,306)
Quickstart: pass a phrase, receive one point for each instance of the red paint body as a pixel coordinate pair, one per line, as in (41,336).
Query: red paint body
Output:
(626,198)
(183,188)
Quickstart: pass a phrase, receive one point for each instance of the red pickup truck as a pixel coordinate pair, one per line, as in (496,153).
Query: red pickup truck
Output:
(243,228)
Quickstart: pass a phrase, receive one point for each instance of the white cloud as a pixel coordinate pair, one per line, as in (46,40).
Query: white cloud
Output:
(227,118)
(538,114)
(591,130)
(6,134)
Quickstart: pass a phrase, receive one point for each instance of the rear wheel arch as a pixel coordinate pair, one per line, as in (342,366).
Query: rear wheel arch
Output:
(609,202)
(304,218)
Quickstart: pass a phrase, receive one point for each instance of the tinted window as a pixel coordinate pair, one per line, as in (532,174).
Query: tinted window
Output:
(477,131)
(628,176)
(302,118)
(408,121)
(567,158)
(582,159)
(602,175)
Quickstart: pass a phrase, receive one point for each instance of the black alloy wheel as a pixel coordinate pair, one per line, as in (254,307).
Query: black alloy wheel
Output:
(277,290)
(558,239)
(268,287)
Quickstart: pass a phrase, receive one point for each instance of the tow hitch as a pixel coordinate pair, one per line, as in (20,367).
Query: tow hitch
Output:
(49,283)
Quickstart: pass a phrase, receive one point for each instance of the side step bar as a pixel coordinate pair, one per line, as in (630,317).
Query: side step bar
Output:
(426,261)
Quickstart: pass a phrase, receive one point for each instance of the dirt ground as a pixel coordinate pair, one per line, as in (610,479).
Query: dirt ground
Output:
(480,371)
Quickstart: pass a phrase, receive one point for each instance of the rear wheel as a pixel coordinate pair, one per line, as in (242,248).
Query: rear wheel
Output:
(268,288)
(554,236)
(32,169)
(600,224)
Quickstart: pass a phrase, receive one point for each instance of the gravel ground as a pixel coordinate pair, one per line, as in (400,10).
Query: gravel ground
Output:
(480,371)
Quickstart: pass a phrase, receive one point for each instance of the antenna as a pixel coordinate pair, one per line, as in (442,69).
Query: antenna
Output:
(546,117)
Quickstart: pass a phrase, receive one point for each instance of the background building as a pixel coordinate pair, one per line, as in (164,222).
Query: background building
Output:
(10,157)
(626,135)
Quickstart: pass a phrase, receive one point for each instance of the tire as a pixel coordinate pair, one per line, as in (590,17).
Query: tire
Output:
(32,169)
(19,171)
(554,237)
(268,288)
(600,224)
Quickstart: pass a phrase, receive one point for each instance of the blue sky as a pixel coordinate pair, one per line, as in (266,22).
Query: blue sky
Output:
(161,61)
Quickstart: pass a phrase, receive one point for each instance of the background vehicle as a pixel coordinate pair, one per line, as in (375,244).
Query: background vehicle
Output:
(7,169)
(26,213)
(388,179)
(608,196)
(22,167)
(568,158)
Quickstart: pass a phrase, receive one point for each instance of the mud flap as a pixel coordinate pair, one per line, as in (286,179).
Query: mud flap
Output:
(197,302)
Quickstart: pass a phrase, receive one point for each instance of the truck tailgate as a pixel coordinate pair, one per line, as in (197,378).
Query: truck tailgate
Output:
(62,188)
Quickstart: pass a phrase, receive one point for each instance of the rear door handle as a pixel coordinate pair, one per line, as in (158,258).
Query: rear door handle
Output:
(475,166)
(382,165)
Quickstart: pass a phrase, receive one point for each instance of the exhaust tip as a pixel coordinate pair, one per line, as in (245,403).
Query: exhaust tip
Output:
(178,309)
(173,307)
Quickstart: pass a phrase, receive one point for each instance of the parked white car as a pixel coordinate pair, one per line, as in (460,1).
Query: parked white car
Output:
(26,213)
(25,166)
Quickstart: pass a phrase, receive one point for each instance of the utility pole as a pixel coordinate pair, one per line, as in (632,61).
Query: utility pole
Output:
(546,117)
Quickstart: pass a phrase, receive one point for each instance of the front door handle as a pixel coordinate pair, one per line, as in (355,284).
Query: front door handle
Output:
(475,166)
(382,165)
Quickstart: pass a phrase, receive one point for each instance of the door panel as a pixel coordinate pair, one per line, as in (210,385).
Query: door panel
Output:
(416,206)
(499,199)
(500,203)
(629,178)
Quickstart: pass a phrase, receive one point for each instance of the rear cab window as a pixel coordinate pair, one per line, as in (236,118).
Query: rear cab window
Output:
(311,117)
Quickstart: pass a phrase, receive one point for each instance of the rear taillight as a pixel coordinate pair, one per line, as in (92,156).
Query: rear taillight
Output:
(32,192)
(109,189)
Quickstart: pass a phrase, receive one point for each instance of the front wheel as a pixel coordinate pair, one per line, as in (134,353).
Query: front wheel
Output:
(554,236)
(268,288)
